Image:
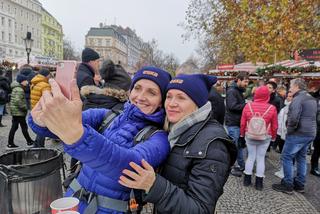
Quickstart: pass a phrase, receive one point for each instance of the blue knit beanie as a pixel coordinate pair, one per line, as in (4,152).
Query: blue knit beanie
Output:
(196,86)
(20,78)
(156,75)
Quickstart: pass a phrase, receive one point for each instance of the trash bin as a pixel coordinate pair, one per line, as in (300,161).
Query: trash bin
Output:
(30,180)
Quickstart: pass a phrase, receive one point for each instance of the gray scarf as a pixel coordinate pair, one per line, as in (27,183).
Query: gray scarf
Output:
(179,128)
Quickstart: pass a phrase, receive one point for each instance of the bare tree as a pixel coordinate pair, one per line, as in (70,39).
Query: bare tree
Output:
(69,52)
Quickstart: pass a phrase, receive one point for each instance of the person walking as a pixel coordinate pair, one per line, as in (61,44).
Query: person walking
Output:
(235,103)
(258,126)
(19,110)
(301,131)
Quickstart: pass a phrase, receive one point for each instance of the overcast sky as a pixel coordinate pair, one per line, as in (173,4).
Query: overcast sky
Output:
(157,19)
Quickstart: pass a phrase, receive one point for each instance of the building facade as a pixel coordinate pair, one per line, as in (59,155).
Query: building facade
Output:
(134,47)
(109,43)
(17,17)
(52,36)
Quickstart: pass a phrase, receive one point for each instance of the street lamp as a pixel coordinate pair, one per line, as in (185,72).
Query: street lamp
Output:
(28,43)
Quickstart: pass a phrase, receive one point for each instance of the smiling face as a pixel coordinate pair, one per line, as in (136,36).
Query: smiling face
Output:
(146,95)
(178,105)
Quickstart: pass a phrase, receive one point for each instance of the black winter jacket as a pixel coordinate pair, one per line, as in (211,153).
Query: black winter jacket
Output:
(85,75)
(5,85)
(193,176)
(276,101)
(235,103)
(218,107)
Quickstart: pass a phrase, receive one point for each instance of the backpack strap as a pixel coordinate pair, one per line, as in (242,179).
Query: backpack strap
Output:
(264,114)
(145,133)
(108,118)
(250,107)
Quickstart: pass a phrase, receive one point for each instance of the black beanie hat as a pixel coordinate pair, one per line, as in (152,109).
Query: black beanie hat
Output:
(20,78)
(156,75)
(44,72)
(196,86)
(89,54)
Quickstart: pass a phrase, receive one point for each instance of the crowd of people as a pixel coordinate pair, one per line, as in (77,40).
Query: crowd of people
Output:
(170,141)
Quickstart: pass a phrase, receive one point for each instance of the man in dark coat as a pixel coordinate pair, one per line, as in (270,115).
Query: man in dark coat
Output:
(5,90)
(235,103)
(217,103)
(88,68)
(275,99)
(301,131)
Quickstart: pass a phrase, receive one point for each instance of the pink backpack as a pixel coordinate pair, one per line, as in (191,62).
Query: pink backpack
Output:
(257,127)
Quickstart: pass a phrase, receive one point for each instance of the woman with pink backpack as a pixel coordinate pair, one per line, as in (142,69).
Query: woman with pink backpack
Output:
(259,124)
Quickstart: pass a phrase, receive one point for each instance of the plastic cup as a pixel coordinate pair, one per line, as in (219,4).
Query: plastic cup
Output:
(64,204)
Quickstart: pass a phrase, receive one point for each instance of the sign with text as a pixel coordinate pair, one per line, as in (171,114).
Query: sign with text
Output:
(225,67)
(310,54)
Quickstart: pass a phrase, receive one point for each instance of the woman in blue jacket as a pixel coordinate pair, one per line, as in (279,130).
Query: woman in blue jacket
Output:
(104,156)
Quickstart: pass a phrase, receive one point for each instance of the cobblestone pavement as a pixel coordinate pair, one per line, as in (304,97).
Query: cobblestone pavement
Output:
(236,198)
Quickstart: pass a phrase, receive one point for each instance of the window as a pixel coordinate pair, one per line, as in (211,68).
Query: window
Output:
(9,22)
(2,35)
(21,27)
(15,38)
(2,21)
(10,39)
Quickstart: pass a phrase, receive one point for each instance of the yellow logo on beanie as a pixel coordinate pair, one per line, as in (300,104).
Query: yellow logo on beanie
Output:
(178,81)
(152,73)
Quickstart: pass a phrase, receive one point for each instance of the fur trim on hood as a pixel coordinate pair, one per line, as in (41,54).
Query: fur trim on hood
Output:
(121,95)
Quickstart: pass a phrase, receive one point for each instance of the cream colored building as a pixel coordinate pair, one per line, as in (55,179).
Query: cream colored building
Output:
(109,43)
(17,17)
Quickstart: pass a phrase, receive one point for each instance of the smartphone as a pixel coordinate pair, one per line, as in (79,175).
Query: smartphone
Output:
(66,71)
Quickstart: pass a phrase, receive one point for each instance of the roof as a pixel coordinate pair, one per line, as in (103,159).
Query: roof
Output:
(293,63)
(106,31)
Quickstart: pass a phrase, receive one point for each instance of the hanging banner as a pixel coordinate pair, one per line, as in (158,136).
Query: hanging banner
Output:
(310,54)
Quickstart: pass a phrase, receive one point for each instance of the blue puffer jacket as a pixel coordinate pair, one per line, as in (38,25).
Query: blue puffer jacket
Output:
(104,156)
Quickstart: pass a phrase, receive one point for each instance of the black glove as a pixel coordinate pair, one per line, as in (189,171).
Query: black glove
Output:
(241,142)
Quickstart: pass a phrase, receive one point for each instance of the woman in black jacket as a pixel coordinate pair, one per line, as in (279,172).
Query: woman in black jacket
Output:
(193,176)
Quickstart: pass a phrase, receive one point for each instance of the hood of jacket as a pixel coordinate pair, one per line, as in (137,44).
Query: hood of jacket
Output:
(115,76)
(15,84)
(262,94)
(39,78)
(112,92)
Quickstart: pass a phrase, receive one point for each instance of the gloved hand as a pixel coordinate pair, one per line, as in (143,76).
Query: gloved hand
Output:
(242,142)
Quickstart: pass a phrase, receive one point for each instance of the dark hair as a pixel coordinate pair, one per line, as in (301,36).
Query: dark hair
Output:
(274,85)
(242,76)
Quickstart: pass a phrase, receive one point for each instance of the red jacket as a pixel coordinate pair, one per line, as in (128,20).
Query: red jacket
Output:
(260,104)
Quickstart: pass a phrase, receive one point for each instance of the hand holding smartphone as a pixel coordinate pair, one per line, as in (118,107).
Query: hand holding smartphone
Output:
(66,71)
